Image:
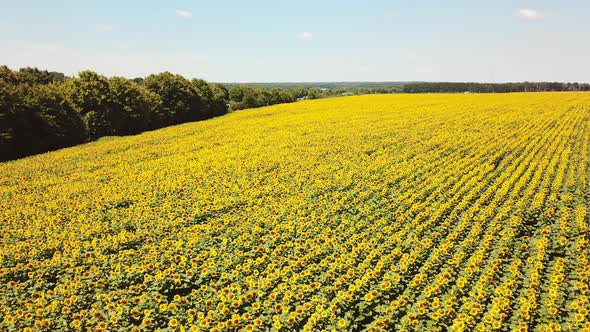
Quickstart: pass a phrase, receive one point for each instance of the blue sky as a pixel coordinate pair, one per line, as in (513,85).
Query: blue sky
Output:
(262,41)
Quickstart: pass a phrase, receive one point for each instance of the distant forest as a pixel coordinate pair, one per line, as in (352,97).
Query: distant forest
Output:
(425,87)
(42,111)
(450,87)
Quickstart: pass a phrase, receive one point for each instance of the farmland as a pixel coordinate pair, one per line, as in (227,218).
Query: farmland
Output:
(415,212)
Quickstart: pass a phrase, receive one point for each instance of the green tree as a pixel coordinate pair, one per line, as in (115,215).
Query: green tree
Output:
(9,103)
(205,93)
(220,99)
(8,76)
(32,76)
(180,101)
(137,105)
(213,98)
(91,95)
(36,119)
(56,124)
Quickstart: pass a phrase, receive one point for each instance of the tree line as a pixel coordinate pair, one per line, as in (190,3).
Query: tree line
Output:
(461,87)
(242,96)
(42,111)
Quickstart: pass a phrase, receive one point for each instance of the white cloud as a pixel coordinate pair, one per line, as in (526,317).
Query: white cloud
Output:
(104,28)
(364,69)
(529,14)
(305,35)
(184,13)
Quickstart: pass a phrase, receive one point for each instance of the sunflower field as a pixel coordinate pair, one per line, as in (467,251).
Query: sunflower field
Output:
(378,213)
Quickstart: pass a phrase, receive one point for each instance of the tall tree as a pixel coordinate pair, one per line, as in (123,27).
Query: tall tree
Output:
(180,101)
(36,118)
(137,105)
(91,95)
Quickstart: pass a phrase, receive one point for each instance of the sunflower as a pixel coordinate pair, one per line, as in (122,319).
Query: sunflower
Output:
(147,322)
(342,323)
(277,324)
